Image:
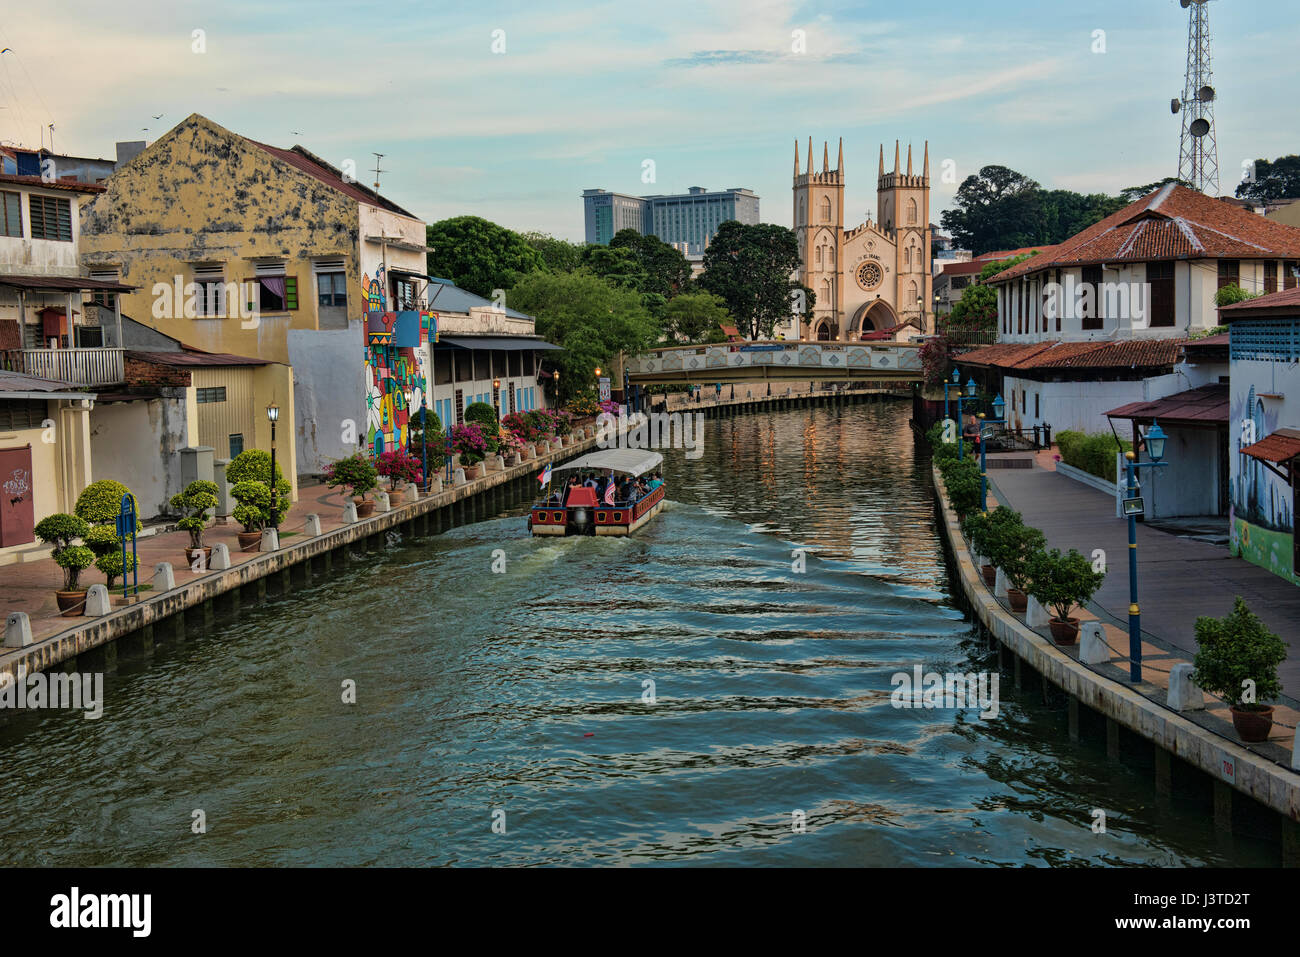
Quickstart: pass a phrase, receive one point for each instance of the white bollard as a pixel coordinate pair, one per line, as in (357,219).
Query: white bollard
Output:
(312,528)
(498,464)
(435,485)
(220,559)
(411,491)
(1000,585)
(1036,616)
(349,513)
(1093,649)
(382,504)
(97,603)
(458,477)
(270,540)
(1184,695)
(18,630)
(164,579)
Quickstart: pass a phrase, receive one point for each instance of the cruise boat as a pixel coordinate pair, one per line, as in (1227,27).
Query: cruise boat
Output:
(578,510)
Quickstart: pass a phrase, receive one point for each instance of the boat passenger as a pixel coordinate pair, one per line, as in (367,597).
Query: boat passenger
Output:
(655,481)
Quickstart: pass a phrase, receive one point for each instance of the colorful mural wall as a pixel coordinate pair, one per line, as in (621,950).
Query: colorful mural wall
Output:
(397,362)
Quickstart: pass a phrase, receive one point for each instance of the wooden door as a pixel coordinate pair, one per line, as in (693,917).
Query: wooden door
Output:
(17,503)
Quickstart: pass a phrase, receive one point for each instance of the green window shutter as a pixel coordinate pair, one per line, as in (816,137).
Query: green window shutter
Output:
(291,292)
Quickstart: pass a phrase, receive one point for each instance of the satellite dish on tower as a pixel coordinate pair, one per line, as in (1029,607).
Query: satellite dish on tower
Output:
(1205,94)
(1185,3)
(1199,127)
(1175,105)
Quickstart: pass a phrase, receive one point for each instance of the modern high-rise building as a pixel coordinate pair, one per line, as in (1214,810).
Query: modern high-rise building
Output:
(686,220)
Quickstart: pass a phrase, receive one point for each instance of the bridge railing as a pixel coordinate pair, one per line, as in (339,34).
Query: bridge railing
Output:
(815,358)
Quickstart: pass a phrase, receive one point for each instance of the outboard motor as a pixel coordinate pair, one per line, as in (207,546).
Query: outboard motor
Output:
(580,521)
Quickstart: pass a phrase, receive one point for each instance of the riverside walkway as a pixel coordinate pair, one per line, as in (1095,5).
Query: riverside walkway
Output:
(1179,580)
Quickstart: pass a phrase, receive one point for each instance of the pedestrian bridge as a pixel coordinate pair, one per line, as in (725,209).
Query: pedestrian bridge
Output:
(774,361)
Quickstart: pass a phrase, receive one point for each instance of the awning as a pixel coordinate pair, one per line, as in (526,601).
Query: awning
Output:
(63,283)
(501,343)
(630,461)
(1207,405)
(1280,446)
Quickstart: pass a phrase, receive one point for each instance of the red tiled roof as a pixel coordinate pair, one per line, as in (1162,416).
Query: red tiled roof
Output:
(1207,404)
(1172,222)
(1052,354)
(976,265)
(71,186)
(1279,446)
(1216,342)
(1010,253)
(312,165)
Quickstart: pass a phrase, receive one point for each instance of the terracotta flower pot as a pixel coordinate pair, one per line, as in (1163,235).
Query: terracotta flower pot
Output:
(1019,600)
(1254,725)
(1064,631)
(365,507)
(250,541)
(71,603)
(205,551)
(990,573)
(472,472)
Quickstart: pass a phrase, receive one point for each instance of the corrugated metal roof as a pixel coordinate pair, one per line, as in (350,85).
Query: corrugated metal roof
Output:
(448,298)
(189,359)
(1205,405)
(66,283)
(70,186)
(19,384)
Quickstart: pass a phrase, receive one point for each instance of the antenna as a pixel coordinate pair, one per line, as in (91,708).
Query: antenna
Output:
(1198,156)
(378,157)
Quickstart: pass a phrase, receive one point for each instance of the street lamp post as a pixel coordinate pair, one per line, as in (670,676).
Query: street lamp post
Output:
(956,380)
(998,407)
(496,397)
(272,415)
(970,394)
(1155,443)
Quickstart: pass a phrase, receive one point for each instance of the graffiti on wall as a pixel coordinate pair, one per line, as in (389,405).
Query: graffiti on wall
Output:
(397,352)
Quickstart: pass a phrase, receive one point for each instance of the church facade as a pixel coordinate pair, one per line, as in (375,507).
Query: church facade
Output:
(875,279)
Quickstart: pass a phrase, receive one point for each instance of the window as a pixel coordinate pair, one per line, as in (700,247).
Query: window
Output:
(1092,318)
(826,209)
(460,407)
(51,218)
(1270,276)
(1229,272)
(277,293)
(210,303)
(89,337)
(818,256)
(236,444)
(11,215)
(403,292)
(1289,268)
(331,289)
(106,299)
(21,414)
(1160,277)
(911,211)
(210,394)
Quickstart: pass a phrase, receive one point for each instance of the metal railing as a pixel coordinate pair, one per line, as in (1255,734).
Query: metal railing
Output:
(91,367)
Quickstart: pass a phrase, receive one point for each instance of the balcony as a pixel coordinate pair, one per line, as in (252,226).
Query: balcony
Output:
(85,367)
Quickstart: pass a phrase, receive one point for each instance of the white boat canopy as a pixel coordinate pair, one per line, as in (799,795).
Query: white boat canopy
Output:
(629,461)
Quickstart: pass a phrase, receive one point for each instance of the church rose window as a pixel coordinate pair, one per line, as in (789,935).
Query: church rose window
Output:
(869,275)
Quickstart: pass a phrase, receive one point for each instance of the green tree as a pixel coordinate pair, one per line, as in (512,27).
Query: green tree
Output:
(1276,180)
(695,316)
(479,255)
(618,266)
(749,267)
(589,318)
(666,270)
(978,306)
(558,255)
(997,208)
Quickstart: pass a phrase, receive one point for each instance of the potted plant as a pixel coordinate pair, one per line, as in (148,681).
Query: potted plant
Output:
(976,526)
(99,505)
(1237,659)
(510,447)
(471,445)
(1060,582)
(358,475)
(195,500)
(399,468)
(1011,546)
(62,530)
(253,512)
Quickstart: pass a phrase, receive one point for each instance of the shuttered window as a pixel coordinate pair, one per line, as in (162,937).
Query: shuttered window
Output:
(1092,313)
(51,218)
(11,215)
(21,414)
(1160,277)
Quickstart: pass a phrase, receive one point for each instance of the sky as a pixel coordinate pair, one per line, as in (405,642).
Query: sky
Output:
(509,110)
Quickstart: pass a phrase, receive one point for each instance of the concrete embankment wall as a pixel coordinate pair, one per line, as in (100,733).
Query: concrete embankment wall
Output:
(1231,768)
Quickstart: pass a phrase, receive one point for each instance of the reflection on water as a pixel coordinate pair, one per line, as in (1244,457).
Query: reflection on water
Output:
(683,696)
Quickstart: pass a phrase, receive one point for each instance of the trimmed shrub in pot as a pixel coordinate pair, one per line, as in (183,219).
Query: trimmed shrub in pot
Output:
(99,504)
(111,565)
(962,478)
(358,475)
(981,528)
(1060,582)
(195,500)
(400,468)
(469,442)
(253,512)
(1011,545)
(62,530)
(1237,659)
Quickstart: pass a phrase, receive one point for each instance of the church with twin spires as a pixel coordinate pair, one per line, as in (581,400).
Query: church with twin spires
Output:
(873,281)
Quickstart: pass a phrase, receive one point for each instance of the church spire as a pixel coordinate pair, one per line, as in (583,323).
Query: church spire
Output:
(909,159)
(826,156)
(810,169)
(882,160)
(839,163)
(926,167)
(796,157)
(896,157)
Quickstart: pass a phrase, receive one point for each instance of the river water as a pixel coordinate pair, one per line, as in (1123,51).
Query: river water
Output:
(518,701)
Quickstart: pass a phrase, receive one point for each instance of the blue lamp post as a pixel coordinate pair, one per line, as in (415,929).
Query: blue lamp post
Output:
(970,393)
(998,408)
(1155,443)
(956,380)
